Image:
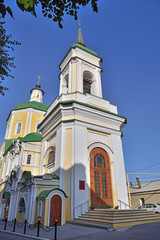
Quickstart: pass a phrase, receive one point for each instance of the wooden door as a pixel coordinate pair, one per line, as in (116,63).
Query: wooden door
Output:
(6,208)
(100,177)
(55,209)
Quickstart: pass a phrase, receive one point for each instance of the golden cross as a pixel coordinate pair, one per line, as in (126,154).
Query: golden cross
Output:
(39,77)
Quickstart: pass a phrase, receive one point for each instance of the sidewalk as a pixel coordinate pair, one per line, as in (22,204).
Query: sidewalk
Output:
(149,231)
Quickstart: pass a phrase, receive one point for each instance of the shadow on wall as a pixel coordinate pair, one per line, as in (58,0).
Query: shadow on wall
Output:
(85,191)
(85,188)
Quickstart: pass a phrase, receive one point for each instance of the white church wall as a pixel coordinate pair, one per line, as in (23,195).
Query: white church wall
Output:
(81,170)
(97,137)
(119,168)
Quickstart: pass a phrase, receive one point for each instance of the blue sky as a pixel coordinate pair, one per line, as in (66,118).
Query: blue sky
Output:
(126,34)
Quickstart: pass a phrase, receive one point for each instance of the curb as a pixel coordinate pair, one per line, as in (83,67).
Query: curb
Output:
(23,235)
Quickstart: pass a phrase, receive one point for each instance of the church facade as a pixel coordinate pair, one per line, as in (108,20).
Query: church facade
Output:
(59,161)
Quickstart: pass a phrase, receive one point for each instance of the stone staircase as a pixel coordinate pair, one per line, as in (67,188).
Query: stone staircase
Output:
(113,218)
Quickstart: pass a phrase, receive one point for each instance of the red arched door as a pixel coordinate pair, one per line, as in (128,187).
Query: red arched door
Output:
(55,209)
(100,177)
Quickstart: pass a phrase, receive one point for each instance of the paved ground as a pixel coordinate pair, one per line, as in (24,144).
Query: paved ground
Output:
(139,232)
(73,232)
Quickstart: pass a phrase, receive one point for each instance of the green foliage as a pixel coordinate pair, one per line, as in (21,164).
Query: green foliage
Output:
(4,9)
(55,9)
(6,62)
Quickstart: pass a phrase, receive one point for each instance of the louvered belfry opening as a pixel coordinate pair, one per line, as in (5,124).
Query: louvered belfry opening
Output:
(87,82)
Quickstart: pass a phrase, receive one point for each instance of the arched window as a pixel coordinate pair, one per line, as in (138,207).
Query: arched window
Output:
(66,80)
(51,158)
(21,207)
(87,82)
(29,159)
(99,161)
(18,128)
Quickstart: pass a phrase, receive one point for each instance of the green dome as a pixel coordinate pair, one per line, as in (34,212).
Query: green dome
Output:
(32,137)
(32,104)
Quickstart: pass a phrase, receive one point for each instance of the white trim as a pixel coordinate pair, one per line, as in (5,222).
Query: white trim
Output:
(60,87)
(35,163)
(62,157)
(26,124)
(101,145)
(59,193)
(30,121)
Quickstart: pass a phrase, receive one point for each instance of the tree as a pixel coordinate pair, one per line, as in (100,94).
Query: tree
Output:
(53,9)
(6,62)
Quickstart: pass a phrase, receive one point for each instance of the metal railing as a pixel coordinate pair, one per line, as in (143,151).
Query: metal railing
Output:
(81,208)
(123,205)
(13,224)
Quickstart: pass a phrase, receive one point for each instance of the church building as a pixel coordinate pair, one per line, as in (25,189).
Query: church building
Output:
(58,162)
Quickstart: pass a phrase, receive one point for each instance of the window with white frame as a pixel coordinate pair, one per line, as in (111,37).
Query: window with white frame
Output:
(18,128)
(29,159)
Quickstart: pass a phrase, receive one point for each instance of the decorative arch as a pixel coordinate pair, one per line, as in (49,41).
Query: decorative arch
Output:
(58,196)
(100,177)
(101,145)
(88,82)
(49,156)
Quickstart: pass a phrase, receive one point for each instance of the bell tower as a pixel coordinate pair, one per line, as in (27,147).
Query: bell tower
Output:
(80,70)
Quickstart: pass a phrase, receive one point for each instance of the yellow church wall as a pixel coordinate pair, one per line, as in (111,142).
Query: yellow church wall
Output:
(67,172)
(19,117)
(42,218)
(36,118)
(74,76)
(46,207)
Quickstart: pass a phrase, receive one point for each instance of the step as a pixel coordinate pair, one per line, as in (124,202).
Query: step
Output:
(119,219)
(113,212)
(118,224)
(149,213)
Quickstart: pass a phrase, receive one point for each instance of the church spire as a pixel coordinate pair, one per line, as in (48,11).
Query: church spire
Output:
(80,39)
